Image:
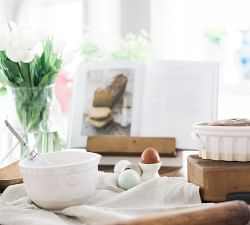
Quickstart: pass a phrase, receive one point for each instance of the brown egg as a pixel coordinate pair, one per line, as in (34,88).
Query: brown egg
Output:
(150,156)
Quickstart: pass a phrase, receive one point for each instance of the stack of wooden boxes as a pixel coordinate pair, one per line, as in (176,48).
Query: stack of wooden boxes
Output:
(220,180)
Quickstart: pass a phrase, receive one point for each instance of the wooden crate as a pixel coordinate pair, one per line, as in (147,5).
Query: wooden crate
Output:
(124,144)
(219,180)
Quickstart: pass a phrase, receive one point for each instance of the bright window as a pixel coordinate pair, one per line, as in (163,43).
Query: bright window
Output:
(217,30)
(178,28)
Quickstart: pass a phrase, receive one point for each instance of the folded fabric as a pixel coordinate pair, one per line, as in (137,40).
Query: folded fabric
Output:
(109,203)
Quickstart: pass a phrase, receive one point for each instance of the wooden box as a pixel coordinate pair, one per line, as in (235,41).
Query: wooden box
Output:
(219,180)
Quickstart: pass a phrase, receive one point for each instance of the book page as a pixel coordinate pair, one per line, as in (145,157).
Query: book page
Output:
(176,95)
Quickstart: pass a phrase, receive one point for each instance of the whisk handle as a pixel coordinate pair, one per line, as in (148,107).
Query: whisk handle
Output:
(12,130)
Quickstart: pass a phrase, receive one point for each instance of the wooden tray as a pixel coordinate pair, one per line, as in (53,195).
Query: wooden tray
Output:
(10,175)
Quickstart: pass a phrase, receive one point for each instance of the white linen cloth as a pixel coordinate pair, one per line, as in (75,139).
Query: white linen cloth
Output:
(109,203)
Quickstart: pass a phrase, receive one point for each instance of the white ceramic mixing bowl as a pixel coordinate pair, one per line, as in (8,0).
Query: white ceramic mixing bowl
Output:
(69,180)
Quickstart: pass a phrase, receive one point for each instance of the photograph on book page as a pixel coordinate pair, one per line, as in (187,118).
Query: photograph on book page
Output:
(106,100)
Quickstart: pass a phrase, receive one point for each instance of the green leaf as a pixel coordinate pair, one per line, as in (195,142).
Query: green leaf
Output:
(12,66)
(214,34)
(25,72)
(2,57)
(3,91)
(13,72)
(4,79)
(48,79)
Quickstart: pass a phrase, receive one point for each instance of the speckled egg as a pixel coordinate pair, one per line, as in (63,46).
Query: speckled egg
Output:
(150,156)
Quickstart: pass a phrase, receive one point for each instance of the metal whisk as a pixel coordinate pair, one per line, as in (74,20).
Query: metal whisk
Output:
(33,155)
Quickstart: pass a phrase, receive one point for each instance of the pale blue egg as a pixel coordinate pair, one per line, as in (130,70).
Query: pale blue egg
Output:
(128,179)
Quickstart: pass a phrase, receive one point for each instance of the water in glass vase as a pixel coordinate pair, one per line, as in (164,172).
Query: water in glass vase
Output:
(37,112)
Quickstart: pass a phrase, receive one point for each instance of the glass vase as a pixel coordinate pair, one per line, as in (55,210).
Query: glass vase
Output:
(37,112)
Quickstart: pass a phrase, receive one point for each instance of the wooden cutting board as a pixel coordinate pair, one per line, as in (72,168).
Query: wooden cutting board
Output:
(219,180)
(10,175)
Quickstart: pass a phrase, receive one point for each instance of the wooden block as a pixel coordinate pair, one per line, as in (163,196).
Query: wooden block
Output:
(10,175)
(217,179)
(124,144)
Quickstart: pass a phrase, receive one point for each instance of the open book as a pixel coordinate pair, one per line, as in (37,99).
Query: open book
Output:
(156,99)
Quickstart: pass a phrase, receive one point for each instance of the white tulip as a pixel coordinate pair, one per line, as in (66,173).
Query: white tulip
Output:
(20,55)
(58,45)
(16,54)
(24,37)
(38,50)
(4,36)
(42,34)
(28,57)
(21,45)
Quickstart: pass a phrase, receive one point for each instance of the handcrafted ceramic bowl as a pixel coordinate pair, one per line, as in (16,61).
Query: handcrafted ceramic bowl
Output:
(229,143)
(69,179)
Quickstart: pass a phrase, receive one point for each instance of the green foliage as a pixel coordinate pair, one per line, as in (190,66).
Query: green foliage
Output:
(3,91)
(132,47)
(214,35)
(91,51)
